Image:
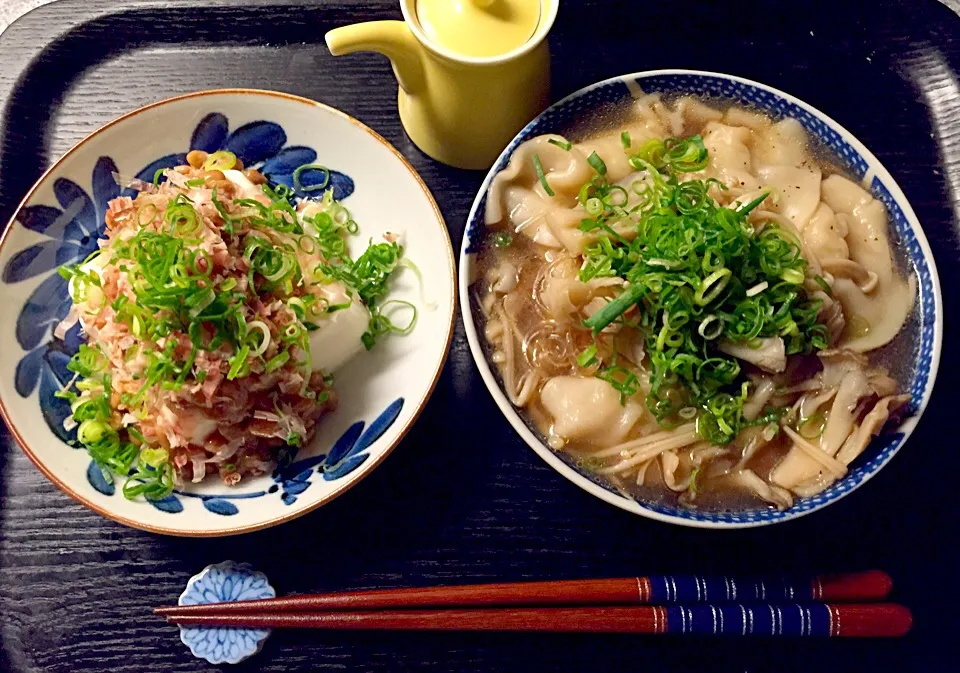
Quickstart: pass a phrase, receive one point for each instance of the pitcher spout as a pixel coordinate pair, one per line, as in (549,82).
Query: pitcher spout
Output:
(393,39)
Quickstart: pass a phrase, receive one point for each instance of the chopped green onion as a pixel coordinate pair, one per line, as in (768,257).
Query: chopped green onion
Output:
(693,489)
(625,139)
(87,361)
(381,324)
(300,187)
(562,144)
(710,327)
(711,287)
(538,167)
(594,207)
(220,161)
(588,356)
(297,305)
(614,309)
(744,210)
(277,361)
(687,155)
(792,276)
(182,220)
(258,346)
(153,483)
(597,163)
(227,219)
(824,285)
(237,362)
(694,273)
(623,381)
(651,152)
(407,263)
(502,239)
(154,458)
(149,208)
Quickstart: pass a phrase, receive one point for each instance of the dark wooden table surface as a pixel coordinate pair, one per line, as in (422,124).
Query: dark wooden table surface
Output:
(462,499)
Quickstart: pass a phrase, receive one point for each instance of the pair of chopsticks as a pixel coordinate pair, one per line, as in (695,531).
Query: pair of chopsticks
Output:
(830,605)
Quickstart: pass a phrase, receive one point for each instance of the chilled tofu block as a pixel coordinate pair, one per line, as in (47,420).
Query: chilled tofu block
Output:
(338,338)
(338,335)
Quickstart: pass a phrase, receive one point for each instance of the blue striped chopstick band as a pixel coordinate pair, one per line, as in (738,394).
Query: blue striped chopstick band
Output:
(815,619)
(665,589)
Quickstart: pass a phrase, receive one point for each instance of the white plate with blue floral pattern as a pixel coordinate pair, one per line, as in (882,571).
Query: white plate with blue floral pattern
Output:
(925,325)
(381,392)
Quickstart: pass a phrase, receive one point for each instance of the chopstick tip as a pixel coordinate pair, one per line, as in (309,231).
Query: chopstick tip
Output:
(884,580)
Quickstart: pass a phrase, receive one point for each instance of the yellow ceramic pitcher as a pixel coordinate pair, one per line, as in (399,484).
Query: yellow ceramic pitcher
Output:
(471,72)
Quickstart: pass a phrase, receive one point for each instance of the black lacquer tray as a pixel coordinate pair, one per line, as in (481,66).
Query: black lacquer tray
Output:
(462,498)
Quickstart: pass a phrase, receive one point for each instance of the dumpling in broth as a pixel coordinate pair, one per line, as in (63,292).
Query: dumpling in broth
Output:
(782,144)
(518,200)
(610,147)
(730,160)
(588,409)
(876,315)
(825,234)
(797,191)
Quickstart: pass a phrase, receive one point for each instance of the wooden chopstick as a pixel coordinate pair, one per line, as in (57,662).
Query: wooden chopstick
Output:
(664,589)
(876,620)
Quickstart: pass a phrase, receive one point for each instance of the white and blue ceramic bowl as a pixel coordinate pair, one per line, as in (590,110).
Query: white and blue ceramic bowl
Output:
(381,392)
(924,328)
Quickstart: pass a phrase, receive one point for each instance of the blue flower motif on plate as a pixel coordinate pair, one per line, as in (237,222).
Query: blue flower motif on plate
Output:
(291,478)
(347,454)
(257,144)
(71,232)
(222,583)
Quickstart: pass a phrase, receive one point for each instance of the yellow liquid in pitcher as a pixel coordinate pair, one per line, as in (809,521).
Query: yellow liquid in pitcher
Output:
(476,28)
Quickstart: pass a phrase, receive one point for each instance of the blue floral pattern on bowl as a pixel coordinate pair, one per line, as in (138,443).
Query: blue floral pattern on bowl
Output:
(73,230)
(61,221)
(856,159)
(291,478)
(222,583)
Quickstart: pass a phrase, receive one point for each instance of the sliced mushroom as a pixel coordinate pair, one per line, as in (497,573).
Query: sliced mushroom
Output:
(669,464)
(851,390)
(812,465)
(761,395)
(847,268)
(831,315)
(771,493)
(869,427)
(505,277)
(845,373)
(770,355)
(810,403)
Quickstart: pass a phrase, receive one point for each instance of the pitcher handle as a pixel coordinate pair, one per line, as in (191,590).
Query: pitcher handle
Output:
(390,38)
